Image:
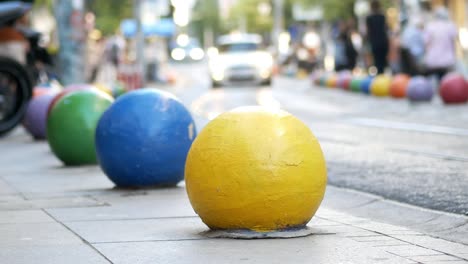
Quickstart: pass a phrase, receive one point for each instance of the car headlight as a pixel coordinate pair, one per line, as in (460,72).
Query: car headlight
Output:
(265,62)
(217,68)
(197,54)
(264,65)
(212,52)
(178,54)
(217,64)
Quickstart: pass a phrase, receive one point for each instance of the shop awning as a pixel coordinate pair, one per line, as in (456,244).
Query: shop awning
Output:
(164,28)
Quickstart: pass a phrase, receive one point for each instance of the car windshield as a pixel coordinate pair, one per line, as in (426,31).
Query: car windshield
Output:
(236,47)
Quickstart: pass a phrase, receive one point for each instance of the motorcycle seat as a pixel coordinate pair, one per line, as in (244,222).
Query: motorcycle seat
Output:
(11,11)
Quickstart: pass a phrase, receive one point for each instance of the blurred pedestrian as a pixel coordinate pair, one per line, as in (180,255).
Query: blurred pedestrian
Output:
(345,53)
(439,37)
(114,48)
(394,58)
(377,36)
(412,46)
(96,53)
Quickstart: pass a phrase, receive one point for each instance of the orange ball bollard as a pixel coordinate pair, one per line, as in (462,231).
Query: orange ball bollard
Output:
(398,85)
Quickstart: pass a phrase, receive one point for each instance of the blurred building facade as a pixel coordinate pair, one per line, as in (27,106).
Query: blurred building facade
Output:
(458,10)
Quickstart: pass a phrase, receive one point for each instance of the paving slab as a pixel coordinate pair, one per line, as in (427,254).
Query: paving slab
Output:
(107,191)
(37,234)
(6,189)
(349,231)
(69,202)
(155,204)
(24,216)
(56,254)
(445,223)
(11,198)
(434,258)
(313,249)
(445,246)
(59,180)
(439,224)
(450,262)
(457,233)
(384,210)
(139,230)
(410,250)
(346,200)
(21,145)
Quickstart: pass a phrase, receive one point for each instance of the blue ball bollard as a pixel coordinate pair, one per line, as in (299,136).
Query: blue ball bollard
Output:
(143,139)
(366,85)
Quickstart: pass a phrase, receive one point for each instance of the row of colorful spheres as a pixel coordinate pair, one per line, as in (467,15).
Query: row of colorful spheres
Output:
(453,87)
(147,138)
(46,95)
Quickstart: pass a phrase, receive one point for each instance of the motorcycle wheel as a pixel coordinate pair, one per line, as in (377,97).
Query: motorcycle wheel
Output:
(15,93)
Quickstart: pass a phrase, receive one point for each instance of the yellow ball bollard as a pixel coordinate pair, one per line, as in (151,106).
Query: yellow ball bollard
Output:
(332,81)
(103,88)
(381,85)
(255,169)
(301,74)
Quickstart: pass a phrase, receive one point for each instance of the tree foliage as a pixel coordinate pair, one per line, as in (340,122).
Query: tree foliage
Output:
(109,13)
(43,3)
(337,9)
(205,18)
(247,12)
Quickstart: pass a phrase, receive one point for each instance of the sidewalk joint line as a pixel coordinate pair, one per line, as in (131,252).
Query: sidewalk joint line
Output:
(151,240)
(76,234)
(367,203)
(129,219)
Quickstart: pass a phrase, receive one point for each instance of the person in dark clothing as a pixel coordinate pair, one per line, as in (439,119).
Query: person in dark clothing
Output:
(377,36)
(345,53)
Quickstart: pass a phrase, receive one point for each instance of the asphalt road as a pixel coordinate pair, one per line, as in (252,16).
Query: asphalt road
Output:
(412,153)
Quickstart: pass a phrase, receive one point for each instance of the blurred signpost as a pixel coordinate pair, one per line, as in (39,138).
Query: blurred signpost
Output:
(147,13)
(140,39)
(361,9)
(278,23)
(72,38)
(307,13)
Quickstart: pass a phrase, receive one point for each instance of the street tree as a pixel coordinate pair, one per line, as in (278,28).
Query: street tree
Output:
(250,15)
(109,13)
(336,9)
(206,20)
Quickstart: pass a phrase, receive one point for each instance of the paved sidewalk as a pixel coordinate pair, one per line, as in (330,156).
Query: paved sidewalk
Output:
(52,214)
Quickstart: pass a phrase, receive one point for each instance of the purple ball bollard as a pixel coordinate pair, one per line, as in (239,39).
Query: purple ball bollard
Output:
(420,89)
(344,77)
(35,119)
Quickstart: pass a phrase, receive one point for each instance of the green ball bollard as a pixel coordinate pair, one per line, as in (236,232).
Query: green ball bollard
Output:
(355,85)
(72,123)
(323,81)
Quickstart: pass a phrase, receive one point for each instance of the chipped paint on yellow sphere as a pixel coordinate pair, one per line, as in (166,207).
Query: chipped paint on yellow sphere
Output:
(381,85)
(257,169)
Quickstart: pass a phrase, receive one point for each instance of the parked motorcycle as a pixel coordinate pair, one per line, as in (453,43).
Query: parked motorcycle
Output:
(17,80)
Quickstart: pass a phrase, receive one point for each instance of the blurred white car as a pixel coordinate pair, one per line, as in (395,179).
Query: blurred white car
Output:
(240,58)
